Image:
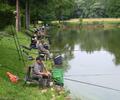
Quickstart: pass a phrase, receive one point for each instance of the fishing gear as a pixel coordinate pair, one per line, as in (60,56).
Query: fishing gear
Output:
(5,67)
(87,83)
(17,44)
(28,33)
(87,75)
(25,47)
(13,34)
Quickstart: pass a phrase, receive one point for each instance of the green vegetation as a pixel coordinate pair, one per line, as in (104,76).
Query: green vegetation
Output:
(49,10)
(33,11)
(10,62)
(19,92)
(6,10)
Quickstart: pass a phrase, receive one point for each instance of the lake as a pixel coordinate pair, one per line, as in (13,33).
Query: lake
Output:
(91,56)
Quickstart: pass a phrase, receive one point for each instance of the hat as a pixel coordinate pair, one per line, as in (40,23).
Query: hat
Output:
(39,58)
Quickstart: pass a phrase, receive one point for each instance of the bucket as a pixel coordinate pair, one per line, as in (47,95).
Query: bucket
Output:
(58,60)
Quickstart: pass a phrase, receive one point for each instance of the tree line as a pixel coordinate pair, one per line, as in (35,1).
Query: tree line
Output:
(48,10)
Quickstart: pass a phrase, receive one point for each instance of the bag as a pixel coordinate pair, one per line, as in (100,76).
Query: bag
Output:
(57,76)
(13,78)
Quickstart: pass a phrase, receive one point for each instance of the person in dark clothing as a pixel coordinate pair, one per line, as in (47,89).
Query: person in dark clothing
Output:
(33,42)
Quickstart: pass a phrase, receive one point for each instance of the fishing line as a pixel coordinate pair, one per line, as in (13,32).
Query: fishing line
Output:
(57,51)
(5,67)
(101,86)
(87,75)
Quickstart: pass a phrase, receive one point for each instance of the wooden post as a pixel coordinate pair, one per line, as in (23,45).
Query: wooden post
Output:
(17,16)
(27,14)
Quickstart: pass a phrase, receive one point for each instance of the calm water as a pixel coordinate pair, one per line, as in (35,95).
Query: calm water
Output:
(93,56)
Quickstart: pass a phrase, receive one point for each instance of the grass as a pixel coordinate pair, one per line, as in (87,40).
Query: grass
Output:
(96,19)
(111,22)
(9,61)
(11,91)
(89,23)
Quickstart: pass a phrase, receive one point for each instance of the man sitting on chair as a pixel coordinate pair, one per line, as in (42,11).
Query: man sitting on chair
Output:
(41,48)
(39,71)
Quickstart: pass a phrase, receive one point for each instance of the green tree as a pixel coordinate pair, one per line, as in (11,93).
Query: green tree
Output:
(6,10)
(89,8)
(63,9)
(113,8)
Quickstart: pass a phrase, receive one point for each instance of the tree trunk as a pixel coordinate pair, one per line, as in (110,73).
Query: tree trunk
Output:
(27,14)
(17,16)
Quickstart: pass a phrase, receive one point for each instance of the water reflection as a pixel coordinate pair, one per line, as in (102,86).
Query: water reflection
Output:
(91,56)
(64,41)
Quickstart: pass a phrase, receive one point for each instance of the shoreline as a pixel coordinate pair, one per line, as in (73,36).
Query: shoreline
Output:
(95,20)
(91,20)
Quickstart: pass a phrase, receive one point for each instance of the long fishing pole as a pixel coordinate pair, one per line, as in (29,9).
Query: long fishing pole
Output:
(15,43)
(92,84)
(57,51)
(87,75)
(5,67)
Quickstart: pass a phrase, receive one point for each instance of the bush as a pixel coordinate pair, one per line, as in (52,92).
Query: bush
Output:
(6,18)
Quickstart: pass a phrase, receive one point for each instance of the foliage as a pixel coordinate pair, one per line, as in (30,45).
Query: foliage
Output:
(10,62)
(113,8)
(48,10)
(63,9)
(42,10)
(51,10)
(89,8)
(6,15)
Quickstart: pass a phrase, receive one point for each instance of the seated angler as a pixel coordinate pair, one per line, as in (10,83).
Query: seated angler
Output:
(40,72)
(33,42)
(42,49)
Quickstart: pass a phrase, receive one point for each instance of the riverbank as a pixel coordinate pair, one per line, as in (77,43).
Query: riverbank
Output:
(89,23)
(9,61)
(95,20)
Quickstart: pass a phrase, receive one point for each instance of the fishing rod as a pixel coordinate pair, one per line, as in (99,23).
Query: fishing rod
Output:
(5,67)
(54,51)
(18,45)
(87,75)
(27,48)
(13,34)
(64,50)
(87,83)
(24,52)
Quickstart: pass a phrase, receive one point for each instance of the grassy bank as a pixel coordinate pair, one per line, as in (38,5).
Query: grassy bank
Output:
(90,20)
(91,23)
(9,61)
